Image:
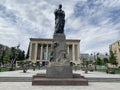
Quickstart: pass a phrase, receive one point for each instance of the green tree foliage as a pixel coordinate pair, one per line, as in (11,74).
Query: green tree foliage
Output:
(21,55)
(17,54)
(98,61)
(1,56)
(13,57)
(13,53)
(27,56)
(105,61)
(10,55)
(6,56)
(112,59)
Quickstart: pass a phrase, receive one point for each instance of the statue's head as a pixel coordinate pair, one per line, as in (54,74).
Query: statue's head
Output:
(60,6)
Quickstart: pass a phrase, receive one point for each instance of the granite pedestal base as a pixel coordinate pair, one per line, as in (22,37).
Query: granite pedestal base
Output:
(59,71)
(40,79)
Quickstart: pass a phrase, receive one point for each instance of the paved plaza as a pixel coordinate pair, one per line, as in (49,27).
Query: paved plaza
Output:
(30,73)
(28,86)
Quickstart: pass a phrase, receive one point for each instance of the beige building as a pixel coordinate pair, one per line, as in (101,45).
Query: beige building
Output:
(40,50)
(115,47)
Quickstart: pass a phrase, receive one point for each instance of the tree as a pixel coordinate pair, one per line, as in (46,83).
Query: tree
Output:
(1,58)
(13,53)
(98,61)
(27,56)
(105,61)
(6,57)
(112,59)
(14,56)
(25,66)
(21,55)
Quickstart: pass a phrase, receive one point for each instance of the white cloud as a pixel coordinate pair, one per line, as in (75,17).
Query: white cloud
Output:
(89,20)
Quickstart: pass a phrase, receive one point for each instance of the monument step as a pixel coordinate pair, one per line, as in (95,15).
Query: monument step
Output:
(92,79)
(15,79)
(59,82)
(29,79)
(41,79)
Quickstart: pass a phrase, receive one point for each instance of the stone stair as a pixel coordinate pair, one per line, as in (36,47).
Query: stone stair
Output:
(29,79)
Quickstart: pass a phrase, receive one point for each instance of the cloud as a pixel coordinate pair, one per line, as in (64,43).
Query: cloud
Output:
(95,22)
(96,25)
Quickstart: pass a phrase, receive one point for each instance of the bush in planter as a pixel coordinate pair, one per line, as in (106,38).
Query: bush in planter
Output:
(110,71)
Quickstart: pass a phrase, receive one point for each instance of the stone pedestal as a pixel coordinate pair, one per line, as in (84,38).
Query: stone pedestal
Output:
(56,71)
(59,48)
(60,67)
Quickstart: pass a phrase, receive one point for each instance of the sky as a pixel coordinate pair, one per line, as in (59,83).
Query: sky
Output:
(95,22)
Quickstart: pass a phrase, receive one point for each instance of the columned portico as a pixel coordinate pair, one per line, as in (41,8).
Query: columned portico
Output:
(40,49)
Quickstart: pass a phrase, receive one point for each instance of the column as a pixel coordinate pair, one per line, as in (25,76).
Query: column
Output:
(30,51)
(73,52)
(46,51)
(41,52)
(78,52)
(68,50)
(35,55)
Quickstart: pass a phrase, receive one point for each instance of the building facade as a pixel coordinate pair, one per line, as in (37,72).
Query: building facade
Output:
(40,50)
(115,48)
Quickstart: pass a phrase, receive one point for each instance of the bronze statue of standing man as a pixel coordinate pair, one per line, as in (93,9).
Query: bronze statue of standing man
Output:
(59,20)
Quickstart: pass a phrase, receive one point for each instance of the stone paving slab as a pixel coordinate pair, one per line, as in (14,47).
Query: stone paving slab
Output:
(30,73)
(98,74)
(29,79)
(28,86)
(19,76)
(19,73)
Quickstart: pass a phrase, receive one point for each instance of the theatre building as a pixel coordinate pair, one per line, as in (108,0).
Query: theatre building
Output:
(40,50)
